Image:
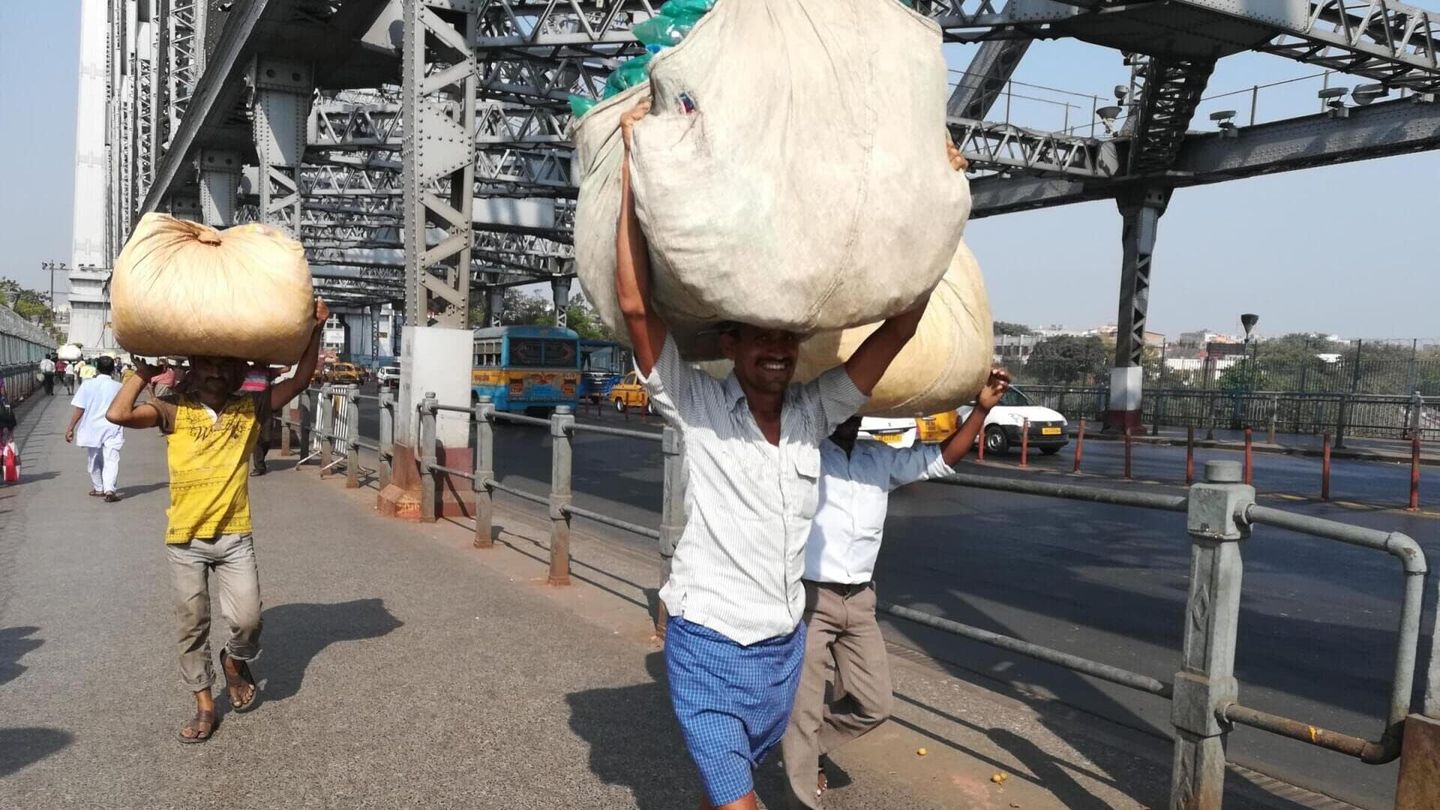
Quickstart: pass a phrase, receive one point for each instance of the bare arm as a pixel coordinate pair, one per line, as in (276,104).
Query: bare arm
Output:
(957,445)
(632,265)
(123,410)
(286,390)
(76,414)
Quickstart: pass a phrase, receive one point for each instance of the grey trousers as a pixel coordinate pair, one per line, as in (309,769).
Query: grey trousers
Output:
(841,628)
(232,558)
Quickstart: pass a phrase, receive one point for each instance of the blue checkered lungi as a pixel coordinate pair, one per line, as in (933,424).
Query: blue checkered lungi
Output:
(733,702)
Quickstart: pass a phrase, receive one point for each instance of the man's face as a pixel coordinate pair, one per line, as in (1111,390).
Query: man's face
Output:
(764,358)
(216,376)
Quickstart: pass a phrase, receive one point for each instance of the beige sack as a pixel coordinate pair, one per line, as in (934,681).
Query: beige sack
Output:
(940,369)
(181,288)
(792,172)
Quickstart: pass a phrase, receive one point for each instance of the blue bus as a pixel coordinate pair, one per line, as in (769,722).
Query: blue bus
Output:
(526,368)
(602,364)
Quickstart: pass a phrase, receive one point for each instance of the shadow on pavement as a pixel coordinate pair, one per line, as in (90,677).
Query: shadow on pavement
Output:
(22,747)
(634,741)
(15,642)
(299,632)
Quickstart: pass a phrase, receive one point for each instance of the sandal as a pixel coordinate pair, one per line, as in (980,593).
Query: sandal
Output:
(95,493)
(242,671)
(199,728)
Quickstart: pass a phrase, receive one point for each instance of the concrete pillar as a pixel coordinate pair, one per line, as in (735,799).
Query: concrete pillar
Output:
(1141,211)
(432,359)
(219,183)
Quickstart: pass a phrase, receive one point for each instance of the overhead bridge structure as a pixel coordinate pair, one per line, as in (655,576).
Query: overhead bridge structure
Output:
(419,148)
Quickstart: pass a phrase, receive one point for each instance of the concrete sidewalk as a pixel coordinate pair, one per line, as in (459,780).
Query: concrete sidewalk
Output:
(403,668)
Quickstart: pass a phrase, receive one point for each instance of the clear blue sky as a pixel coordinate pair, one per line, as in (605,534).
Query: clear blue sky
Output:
(1346,250)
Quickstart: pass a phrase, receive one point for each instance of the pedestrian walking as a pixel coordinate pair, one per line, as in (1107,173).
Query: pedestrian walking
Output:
(734,643)
(211,429)
(66,369)
(90,429)
(856,479)
(47,374)
(259,379)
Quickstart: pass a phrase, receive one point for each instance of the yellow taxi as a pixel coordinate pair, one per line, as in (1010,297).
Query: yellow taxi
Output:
(345,373)
(630,393)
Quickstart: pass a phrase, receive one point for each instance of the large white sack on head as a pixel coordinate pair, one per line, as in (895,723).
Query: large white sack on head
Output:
(807,187)
(941,368)
(181,288)
(68,352)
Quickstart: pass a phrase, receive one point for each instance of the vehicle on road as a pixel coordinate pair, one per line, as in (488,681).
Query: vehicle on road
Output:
(905,432)
(1005,422)
(388,376)
(602,364)
(630,394)
(344,374)
(526,368)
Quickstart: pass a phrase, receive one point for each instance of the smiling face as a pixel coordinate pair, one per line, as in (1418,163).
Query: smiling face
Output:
(215,378)
(764,358)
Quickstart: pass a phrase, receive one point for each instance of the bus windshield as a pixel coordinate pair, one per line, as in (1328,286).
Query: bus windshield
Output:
(542,353)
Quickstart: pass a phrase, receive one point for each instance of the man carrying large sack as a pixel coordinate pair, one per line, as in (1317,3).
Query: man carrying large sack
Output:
(212,431)
(734,643)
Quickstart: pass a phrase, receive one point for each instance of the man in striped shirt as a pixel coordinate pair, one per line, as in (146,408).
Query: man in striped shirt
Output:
(734,642)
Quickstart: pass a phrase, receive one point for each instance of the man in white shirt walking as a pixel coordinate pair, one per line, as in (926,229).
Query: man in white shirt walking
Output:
(841,626)
(91,430)
(734,643)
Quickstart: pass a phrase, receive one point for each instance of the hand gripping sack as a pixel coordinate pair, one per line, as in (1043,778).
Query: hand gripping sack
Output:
(792,172)
(181,288)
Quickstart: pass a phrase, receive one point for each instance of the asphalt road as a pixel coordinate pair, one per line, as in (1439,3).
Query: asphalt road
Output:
(1318,624)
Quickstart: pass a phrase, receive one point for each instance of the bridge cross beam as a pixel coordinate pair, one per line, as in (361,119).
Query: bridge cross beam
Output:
(281,113)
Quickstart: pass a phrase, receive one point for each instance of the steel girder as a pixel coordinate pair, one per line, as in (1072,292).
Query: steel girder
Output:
(1392,43)
(1165,93)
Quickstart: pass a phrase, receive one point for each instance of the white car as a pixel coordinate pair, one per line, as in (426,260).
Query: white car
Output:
(388,376)
(1002,426)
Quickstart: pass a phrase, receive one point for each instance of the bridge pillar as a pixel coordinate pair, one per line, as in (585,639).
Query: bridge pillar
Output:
(219,181)
(282,112)
(560,293)
(439,79)
(495,306)
(1141,212)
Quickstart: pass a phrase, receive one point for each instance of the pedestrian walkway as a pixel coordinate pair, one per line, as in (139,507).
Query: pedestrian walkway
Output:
(403,668)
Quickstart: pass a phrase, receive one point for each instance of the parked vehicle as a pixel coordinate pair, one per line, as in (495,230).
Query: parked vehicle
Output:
(526,368)
(1003,425)
(388,376)
(630,393)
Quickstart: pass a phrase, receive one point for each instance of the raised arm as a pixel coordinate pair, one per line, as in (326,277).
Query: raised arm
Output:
(123,410)
(285,390)
(958,444)
(869,362)
(632,264)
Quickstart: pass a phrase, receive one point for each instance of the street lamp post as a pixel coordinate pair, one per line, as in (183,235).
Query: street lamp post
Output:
(1247,320)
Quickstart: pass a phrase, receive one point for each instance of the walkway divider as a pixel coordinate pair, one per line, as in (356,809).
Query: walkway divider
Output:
(1220,512)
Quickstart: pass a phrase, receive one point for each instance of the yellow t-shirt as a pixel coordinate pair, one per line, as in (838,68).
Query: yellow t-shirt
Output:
(209,471)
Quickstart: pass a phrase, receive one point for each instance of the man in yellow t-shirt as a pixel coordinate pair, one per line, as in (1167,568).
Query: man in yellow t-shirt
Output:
(212,428)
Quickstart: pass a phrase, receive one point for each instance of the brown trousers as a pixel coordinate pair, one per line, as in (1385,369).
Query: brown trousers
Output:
(842,629)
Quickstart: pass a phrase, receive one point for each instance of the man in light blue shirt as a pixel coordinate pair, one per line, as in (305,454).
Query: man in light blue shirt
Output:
(856,479)
(90,429)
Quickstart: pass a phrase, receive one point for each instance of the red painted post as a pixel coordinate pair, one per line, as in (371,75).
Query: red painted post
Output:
(1079,445)
(1415,471)
(1325,468)
(1189,455)
(1024,443)
(1249,456)
(1127,453)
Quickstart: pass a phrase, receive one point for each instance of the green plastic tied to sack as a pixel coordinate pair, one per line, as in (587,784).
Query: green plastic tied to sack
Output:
(630,73)
(579,105)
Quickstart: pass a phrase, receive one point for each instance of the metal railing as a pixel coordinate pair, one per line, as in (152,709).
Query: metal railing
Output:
(19,379)
(1221,514)
(1341,414)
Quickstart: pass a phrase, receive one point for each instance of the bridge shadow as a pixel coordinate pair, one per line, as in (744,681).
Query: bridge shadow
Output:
(15,642)
(22,747)
(299,632)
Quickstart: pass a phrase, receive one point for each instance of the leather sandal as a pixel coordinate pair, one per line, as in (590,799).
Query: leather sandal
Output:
(199,728)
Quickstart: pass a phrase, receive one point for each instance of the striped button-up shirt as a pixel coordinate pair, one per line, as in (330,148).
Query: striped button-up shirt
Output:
(854,497)
(749,503)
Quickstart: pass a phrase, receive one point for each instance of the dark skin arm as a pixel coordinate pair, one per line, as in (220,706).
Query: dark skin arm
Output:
(286,390)
(123,410)
(632,265)
(957,445)
(75,416)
